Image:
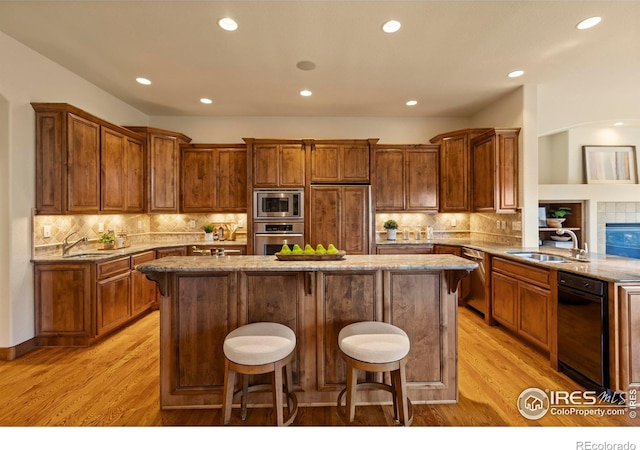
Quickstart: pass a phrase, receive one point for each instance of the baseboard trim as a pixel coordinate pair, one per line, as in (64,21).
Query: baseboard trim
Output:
(11,353)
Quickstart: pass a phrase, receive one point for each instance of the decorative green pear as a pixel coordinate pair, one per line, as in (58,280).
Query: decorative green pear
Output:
(308,250)
(285,250)
(297,250)
(332,250)
(320,250)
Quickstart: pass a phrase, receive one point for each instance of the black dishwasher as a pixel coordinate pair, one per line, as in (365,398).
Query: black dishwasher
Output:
(583,329)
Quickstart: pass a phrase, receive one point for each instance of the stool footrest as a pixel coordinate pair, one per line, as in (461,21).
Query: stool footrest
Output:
(292,401)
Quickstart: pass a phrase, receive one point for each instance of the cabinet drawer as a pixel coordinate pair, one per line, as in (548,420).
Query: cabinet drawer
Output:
(111,268)
(524,272)
(140,258)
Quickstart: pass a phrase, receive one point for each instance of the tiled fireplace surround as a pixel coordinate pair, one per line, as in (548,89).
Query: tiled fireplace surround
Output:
(142,228)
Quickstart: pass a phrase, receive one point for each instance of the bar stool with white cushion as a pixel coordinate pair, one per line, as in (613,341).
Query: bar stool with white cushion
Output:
(375,347)
(258,348)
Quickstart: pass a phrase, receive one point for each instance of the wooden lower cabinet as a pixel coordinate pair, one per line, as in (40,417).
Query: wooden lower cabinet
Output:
(63,309)
(199,309)
(522,300)
(78,303)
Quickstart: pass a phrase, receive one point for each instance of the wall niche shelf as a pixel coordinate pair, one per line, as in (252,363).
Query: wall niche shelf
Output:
(573,222)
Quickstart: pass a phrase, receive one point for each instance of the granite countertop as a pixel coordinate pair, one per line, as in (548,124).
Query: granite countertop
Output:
(600,266)
(87,253)
(272,264)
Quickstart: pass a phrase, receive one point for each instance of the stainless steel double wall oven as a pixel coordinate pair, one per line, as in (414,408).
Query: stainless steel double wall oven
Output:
(278,219)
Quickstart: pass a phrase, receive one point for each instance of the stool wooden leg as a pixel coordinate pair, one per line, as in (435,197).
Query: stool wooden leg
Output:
(245,395)
(288,383)
(401,387)
(277,394)
(352,381)
(394,394)
(227,399)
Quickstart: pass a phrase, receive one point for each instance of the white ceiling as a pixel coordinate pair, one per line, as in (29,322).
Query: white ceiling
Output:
(451,56)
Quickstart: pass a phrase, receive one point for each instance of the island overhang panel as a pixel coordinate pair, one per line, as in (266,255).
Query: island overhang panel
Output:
(204,298)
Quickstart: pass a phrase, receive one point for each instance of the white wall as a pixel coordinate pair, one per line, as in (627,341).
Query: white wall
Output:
(28,77)
(390,130)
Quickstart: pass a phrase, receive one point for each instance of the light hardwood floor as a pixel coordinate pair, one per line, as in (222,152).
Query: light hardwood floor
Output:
(115,383)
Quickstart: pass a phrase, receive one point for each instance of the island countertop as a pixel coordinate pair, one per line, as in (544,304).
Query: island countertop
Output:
(272,264)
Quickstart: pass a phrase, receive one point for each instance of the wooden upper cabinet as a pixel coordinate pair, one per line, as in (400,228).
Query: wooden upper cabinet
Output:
(340,162)
(122,172)
(278,164)
(407,178)
(213,178)
(455,169)
(495,170)
(85,164)
(163,156)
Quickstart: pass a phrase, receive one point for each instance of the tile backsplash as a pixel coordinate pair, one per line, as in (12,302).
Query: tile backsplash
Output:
(139,228)
(488,227)
(615,212)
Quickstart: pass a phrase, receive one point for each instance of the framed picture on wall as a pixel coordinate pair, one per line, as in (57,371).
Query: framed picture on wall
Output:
(614,164)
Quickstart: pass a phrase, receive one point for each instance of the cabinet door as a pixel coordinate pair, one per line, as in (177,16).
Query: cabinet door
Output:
(134,193)
(83,165)
(51,156)
(325,216)
(508,171)
(63,304)
(421,180)
(163,174)
(504,295)
(355,164)
(625,331)
(325,163)
(533,310)
(112,302)
(232,180)
(389,179)
(198,180)
(265,165)
(340,216)
(484,174)
(292,162)
(355,220)
(113,170)
(454,174)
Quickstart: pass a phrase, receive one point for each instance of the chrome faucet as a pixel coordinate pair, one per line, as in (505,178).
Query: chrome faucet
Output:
(576,251)
(65,243)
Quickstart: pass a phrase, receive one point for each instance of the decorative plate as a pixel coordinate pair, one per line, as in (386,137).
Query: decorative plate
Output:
(325,257)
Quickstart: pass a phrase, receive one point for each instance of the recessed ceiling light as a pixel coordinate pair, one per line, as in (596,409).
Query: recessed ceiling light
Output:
(516,74)
(306,65)
(306,93)
(412,103)
(143,80)
(228,24)
(618,124)
(206,101)
(391,26)
(588,23)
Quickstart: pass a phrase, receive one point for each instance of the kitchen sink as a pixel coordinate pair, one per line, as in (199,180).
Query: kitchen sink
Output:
(540,256)
(83,255)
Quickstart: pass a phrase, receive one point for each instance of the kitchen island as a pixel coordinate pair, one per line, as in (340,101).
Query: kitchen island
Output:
(204,298)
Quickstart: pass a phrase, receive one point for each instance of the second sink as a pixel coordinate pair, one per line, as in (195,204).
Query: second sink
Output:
(539,256)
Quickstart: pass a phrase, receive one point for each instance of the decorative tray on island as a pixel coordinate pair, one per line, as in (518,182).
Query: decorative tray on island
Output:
(311,257)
